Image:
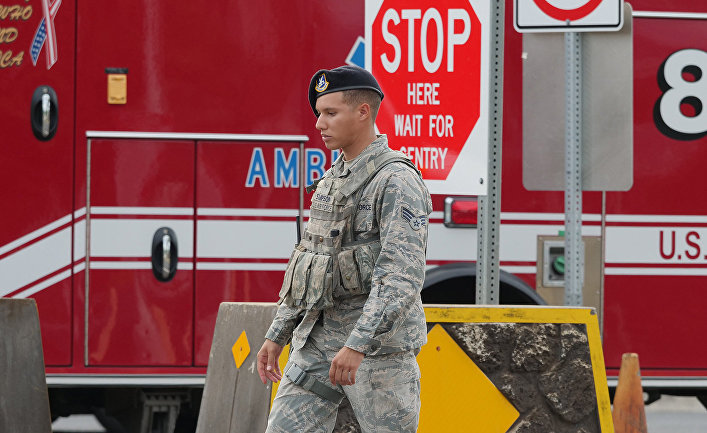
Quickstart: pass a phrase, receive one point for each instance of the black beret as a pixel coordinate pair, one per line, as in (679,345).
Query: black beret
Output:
(339,79)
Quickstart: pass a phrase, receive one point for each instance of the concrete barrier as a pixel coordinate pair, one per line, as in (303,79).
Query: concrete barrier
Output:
(534,369)
(24,401)
(235,400)
(487,369)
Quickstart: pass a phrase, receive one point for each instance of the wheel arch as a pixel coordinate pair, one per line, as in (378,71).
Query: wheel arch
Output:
(454,283)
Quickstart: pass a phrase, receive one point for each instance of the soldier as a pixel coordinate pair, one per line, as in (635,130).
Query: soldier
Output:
(350,301)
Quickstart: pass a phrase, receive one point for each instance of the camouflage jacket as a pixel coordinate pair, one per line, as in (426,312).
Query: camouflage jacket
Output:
(379,259)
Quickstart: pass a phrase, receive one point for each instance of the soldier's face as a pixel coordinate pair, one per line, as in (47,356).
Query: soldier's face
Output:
(339,123)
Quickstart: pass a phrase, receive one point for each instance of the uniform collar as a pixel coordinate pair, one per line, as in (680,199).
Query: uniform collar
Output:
(369,153)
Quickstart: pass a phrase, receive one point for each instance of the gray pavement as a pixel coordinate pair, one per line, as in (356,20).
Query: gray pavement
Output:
(676,415)
(77,424)
(667,415)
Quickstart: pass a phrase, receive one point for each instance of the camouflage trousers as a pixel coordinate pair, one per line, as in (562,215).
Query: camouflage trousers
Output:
(385,397)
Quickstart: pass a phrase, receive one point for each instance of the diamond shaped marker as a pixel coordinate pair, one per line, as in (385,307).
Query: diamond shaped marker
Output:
(456,395)
(240,349)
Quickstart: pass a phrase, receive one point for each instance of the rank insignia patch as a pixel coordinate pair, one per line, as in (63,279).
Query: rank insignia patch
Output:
(322,84)
(416,222)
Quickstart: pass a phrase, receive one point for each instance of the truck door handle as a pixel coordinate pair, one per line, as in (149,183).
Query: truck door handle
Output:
(166,250)
(46,109)
(44,113)
(164,254)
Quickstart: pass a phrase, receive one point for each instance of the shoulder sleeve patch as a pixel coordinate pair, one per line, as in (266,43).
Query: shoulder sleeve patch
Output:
(416,222)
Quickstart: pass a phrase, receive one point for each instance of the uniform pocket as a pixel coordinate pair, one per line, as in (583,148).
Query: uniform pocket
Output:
(349,270)
(307,279)
(319,285)
(365,257)
(396,393)
(300,277)
(287,281)
(321,266)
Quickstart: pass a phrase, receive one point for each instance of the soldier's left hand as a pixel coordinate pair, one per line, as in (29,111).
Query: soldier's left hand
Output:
(344,366)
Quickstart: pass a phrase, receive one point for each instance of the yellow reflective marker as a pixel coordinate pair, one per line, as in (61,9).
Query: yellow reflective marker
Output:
(240,349)
(447,374)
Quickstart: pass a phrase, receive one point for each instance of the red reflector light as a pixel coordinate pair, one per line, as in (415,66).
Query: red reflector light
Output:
(465,212)
(461,212)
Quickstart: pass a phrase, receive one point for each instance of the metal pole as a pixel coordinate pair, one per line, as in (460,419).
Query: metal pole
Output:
(87,252)
(487,262)
(574,248)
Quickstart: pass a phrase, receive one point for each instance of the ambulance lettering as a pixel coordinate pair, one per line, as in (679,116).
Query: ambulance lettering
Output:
(681,245)
(680,112)
(285,168)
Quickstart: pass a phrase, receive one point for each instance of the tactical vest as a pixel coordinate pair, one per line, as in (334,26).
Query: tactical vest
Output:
(328,263)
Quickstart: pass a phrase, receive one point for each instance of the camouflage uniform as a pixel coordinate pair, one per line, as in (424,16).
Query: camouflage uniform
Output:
(367,297)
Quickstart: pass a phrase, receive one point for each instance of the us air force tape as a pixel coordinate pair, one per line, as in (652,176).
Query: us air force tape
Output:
(340,79)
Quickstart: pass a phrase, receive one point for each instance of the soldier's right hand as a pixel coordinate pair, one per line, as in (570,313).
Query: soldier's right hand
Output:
(268,366)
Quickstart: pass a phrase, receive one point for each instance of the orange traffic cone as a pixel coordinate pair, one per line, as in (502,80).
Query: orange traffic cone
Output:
(629,413)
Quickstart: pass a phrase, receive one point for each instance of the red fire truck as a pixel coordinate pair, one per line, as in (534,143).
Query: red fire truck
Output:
(154,156)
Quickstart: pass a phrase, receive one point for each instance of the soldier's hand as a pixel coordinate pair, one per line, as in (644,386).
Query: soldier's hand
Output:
(344,366)
(268,366)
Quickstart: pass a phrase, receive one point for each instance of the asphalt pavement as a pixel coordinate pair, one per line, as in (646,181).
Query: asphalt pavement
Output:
(667,415)
(676,415)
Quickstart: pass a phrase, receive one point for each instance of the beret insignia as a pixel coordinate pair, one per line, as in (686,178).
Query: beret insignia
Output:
(322,84)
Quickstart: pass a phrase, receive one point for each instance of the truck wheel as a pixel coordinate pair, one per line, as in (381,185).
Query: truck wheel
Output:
(456,284)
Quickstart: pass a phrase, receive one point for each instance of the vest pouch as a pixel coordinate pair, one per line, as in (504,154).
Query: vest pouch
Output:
(366,256)
(287,281)
(349,272)
(300,277)
(319,293)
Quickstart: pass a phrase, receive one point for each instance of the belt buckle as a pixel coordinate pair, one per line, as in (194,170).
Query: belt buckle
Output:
(297,372)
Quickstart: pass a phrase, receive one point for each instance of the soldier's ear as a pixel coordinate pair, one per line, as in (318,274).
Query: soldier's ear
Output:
(364,111)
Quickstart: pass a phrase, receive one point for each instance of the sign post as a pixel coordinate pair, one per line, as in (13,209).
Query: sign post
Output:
(590,15)
(488,258)
(574,249)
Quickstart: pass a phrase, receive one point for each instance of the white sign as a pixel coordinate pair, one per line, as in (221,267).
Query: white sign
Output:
(568,15)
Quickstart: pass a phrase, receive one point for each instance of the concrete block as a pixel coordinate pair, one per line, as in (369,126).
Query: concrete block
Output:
(235,400)
(546,361)
(24,401)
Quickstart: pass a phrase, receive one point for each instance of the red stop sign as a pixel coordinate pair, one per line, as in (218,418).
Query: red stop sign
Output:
(427,59)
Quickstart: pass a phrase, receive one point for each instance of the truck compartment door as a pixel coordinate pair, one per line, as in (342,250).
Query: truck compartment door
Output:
(37,54)
(141,216)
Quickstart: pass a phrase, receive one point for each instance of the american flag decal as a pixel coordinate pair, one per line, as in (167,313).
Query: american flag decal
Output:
(45,32)
(416,222)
